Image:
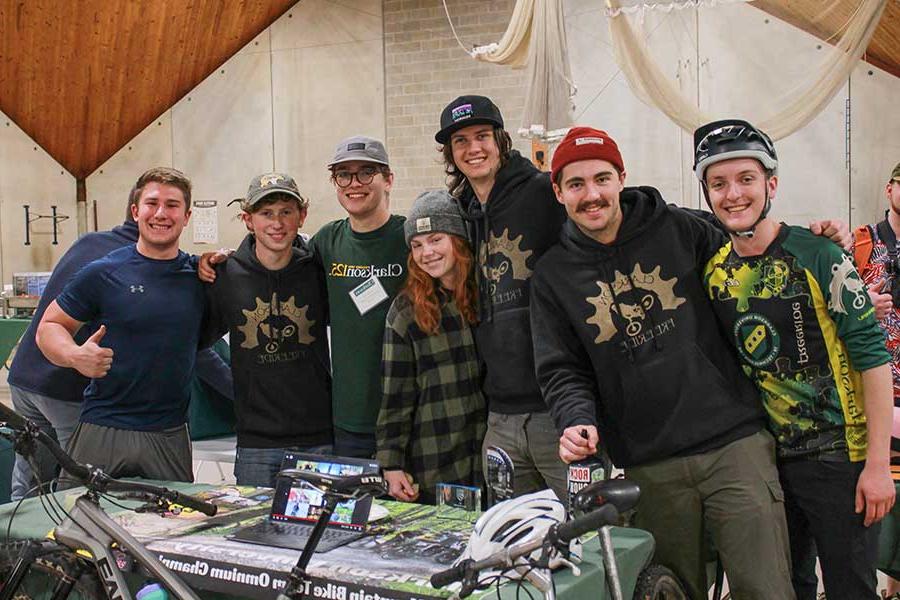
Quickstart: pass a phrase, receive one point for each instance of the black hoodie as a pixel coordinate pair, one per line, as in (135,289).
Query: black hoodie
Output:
(643,358)
(519,222)
(279,354)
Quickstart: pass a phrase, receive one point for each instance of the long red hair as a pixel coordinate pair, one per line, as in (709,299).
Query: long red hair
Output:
(422,289)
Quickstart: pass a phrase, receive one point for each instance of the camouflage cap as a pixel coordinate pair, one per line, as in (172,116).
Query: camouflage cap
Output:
(895,174)
(267,184)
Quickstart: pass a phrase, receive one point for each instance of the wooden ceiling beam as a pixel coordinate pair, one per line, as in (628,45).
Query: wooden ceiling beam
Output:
(83,78)
(884,48)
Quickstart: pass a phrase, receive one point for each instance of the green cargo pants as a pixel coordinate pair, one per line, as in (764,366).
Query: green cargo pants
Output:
(730,495)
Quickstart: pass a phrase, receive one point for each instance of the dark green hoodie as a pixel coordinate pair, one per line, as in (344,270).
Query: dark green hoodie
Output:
(625,337)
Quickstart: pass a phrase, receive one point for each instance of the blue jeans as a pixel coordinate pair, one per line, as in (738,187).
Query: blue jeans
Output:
(258,466)
(56,418)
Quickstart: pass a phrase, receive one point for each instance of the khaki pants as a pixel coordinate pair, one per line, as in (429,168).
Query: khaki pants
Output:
(730,495)
(532,443)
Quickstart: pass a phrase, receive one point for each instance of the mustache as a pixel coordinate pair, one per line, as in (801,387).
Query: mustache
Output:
(588,204)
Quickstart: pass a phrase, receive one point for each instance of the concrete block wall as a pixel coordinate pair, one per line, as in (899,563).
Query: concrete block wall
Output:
(425,68)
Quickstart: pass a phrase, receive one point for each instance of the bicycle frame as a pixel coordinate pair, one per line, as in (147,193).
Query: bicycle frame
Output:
(88,527)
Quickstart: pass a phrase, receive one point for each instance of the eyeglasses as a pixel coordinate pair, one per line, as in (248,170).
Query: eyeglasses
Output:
(364,176)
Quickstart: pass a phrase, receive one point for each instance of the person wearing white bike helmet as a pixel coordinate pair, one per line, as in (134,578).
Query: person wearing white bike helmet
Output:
(804,328)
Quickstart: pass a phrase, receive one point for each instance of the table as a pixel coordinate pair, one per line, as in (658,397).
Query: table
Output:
(216,450)
(394,564)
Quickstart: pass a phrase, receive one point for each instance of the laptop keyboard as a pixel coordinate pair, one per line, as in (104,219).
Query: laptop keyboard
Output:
(291,535)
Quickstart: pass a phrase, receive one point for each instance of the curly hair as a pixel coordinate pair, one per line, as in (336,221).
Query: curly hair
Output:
(422,290)
(456,181)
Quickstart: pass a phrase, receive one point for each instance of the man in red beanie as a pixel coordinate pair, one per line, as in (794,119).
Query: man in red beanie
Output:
(626,343)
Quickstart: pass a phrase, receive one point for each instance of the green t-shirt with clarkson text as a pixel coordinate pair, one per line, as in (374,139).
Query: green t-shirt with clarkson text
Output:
(350,259)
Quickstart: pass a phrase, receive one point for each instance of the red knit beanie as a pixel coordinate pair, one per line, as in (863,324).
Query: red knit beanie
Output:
(585,143)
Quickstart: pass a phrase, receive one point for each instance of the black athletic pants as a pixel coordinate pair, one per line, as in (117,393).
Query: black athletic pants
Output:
(820,501)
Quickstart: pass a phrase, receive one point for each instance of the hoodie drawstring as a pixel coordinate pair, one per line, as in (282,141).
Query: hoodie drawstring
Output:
(484,272)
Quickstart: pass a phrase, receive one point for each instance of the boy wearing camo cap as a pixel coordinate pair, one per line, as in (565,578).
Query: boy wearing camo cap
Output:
(270,296)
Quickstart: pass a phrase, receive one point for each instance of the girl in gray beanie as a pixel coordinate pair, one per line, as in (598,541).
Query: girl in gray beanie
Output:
(433,416)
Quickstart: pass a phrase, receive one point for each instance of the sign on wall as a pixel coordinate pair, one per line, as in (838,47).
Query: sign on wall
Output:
(205,216)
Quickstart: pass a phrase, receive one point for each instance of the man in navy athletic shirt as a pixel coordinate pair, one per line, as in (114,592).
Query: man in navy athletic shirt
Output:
(149,305)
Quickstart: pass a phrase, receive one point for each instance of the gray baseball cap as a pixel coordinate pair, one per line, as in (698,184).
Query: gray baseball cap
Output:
(271,183)
(359,147)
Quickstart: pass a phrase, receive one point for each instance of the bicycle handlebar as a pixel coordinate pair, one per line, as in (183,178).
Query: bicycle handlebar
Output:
(605,515)
(558,535)
(171,496)
(367,483)
(93,477)
(12,419)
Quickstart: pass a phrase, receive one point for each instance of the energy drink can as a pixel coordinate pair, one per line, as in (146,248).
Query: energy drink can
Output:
(585,472)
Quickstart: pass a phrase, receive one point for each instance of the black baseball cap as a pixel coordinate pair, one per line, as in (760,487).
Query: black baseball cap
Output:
(466,111)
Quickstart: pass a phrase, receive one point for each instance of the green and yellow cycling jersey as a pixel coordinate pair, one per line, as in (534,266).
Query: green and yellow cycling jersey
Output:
(804,329)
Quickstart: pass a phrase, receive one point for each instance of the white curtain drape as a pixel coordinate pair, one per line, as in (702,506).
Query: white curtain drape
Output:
(794,108)
(536,39)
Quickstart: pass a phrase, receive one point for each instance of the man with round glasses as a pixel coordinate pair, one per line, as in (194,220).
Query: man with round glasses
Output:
(364,259)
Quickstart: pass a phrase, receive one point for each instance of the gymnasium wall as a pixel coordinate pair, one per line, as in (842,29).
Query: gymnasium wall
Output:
(385,68)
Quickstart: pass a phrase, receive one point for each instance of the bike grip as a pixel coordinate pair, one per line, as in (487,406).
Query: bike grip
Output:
(68,464)
(451,575)
(605,515)
(11,418)
(187,501)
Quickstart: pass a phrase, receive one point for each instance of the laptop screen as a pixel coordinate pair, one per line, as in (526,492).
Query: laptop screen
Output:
(298,501)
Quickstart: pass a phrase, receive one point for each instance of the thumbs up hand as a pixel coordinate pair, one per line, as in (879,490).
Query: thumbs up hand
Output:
(91,360)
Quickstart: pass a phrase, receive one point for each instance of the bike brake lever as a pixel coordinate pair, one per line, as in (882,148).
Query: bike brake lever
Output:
(152,503)
(568,563)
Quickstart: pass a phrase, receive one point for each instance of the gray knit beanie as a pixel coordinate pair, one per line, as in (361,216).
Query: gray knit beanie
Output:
(434,210)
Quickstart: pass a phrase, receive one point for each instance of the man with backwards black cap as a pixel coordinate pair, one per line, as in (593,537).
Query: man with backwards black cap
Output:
(512,220)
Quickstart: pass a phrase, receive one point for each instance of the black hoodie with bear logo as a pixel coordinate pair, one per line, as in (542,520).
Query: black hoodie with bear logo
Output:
(509,233)
(279,352)
(625,337)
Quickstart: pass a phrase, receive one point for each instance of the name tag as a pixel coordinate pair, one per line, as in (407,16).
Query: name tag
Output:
(367,295)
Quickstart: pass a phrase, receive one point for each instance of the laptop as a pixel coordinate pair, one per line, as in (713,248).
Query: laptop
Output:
(296,506)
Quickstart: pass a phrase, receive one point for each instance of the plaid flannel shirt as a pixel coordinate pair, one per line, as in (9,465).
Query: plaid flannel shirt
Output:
(433,416)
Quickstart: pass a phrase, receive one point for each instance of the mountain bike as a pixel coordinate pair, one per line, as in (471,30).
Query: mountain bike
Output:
(87,546)
(598,506)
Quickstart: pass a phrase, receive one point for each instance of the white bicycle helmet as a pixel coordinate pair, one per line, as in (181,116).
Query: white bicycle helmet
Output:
(521,519)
